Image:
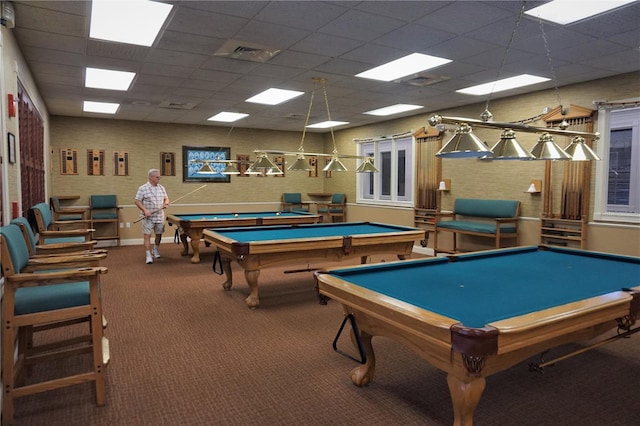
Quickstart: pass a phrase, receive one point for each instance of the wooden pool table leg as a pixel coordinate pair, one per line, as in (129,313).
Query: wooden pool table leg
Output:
(252,279)
(184,238)
(226,269)
(196,236)
(465,395)
(363,374)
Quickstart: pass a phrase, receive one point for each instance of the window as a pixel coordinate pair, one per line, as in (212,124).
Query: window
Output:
(618,174)
(393,185)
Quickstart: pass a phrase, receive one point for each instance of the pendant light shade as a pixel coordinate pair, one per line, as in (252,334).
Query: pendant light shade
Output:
(367,166)
(230,170)
(464,144)
(206,169)
(263,164)
(578,150)
(508,148)
(300,165)
(546,149)
(335,165)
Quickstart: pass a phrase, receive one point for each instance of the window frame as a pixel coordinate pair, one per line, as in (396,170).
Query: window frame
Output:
(376,148)
(629,117)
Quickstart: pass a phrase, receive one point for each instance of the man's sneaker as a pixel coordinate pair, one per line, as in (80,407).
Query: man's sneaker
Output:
(149,259)
(156,253)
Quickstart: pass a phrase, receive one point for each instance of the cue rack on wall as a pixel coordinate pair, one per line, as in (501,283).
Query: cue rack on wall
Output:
(95,162)
(168,163)
(69,161)
(243,164)
(120,163)
(279,161)
(313,162)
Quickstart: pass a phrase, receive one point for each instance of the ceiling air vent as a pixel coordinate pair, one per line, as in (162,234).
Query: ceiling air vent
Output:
(176,105)
(422,79)
(296,116)
(246,51)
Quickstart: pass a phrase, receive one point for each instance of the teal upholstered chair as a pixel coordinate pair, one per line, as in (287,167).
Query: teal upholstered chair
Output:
(49,249)
(292,202)
(67,213)
(64,231)
(336,209)
(39,295)
(105,217)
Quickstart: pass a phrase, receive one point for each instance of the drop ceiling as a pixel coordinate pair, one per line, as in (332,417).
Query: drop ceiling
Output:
(181,79)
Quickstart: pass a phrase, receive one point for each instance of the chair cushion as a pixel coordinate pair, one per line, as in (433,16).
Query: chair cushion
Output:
(30,300)
(292,197)
(33,240)
(96,215)
(486,208)
(331,210)
(470,226)
(18,250)
(45,212)
(58,240)
(71,217)
(103,202)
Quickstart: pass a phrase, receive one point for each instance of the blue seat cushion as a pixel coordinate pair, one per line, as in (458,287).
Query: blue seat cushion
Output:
(29,300)
(103,202)
(70,217)
(57,240)
(331,210)
(107,215)
(485,208)
(292,197)
(469,226)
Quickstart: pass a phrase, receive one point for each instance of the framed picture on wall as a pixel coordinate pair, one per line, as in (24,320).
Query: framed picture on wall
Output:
(204,163)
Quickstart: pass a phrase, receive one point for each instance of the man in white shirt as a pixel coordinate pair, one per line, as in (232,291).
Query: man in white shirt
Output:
(152,199)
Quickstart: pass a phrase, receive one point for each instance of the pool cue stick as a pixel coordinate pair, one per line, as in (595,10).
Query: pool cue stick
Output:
(177,199)
(585,349)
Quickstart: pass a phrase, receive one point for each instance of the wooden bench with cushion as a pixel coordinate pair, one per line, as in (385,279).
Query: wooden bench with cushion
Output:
(495,219)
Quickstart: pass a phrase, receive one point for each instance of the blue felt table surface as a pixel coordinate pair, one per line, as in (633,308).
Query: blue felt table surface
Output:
(479,289)
(226,216)
(285,232)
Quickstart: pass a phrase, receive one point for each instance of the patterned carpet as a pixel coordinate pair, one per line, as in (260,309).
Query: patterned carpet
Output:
(186,352)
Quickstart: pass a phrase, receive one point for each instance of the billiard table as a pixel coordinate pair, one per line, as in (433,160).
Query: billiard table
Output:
(256,248)
(192,225)
(475,314)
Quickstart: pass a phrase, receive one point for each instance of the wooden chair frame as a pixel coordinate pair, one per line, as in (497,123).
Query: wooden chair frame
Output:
(292,202)
(28,281)
(104,209)
(38,250)
(67,213)
(334,209)
(66,230)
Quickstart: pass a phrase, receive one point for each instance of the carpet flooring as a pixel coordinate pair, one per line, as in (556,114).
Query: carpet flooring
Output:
(186,352)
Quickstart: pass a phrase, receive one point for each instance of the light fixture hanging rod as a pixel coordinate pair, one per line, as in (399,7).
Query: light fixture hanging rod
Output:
(220,161)
(310,154)
(439,119)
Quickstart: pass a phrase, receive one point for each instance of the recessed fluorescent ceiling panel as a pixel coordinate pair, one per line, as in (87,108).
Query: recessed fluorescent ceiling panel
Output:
(568,11)
(108,79)
(228,117)
(133,22)
(402,67)
(327,124)
(274,96)
(101,107)
(393,109)
(504,84)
